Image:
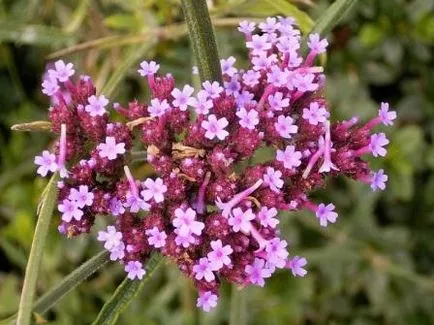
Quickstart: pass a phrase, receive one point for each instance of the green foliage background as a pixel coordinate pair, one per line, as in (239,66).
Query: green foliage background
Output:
(375,266)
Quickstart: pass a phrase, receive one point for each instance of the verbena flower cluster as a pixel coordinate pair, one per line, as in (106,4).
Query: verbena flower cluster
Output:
(215,217)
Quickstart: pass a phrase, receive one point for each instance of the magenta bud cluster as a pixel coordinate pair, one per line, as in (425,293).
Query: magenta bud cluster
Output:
(204,209)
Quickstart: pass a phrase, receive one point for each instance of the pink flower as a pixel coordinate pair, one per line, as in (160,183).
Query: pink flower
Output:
(148,68)
(186,222)
(248,119)
(184,240)
(203,270)
(118,252)
(325,214)
(158,107)
(277,102)
(110,149)
(111,238)
(156,238)
(96,106)
(251,78)
(272,178)
(316,44)
(258,44)
(378,141)
(70,210)
(219,255)
(63,71)
(228,66)
(315,114)
(207,301)
(296,264)
(82,197)
(182,98)
(304,82)
(378,180)
(387,117)
(290,158)
(201,103)
(154,190)
(47,163)
(266,217)
(212,89)
(270,25)
(240,221)
(276,253)
(215,128)
(257,272)
(285,127)
(135,270)
(50,86)
(135,203)
(246,27)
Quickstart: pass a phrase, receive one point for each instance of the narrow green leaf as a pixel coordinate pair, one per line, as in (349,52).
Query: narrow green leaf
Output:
(78,16)
(303,20)
(124,294)
(38,244)
(238,312)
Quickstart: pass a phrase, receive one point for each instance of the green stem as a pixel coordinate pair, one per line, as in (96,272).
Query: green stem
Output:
(238,313)
(38,244)
(202,39)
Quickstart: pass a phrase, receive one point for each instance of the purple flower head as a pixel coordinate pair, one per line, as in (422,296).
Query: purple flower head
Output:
(135,203)
(212,89)
(62,71)
(201,103)
(203,270)
(378,180)
(215,128)
(378,141)
(182,99)
(154,190)
(148,68)
(285,127)
(158,107)
(277,77)
(326,214)
(267,217)
(232,86)
(240,220)
(96,106)
(248,119)
(82,197)
(156,238)
(228,66)
(270,25)
(135,270)
(296,265)
(245,98)
(111,238)
(258,272)
(316,44)
(207,301)
(315,114)
(272,178)
(50,86)
(290,157)
(118,252)
(276,253)
(387,117)
(251,78)
(116,207)
(110,149)
(70,210)
(258,44)
(246,27)
(46,162)
(304,82)
(219,255)
(277,102)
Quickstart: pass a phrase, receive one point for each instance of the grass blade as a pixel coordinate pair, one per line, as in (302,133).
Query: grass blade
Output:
(124,294)
(38,244)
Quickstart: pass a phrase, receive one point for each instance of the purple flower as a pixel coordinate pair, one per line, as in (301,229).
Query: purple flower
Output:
(378,180)
(135,203)
(276,253)
(110,149)
(215,128)
(158,107)
(288,45)
(266,216)
(63,71)
(290,158)
(257,272)
(304,82)
(251,78)
(182,98)
(182,239)
(156,238)
(315,114)
(316,44)
(219,255)
(325,214)
(248,119)
(228,66)
(46,162)
(272,178)
(186,222)
(270,25)
(201,103)
(277,102)
(296,265)
(50,86)
(70,210)
(258,44)
(285,127)
(263,61)
(203,270)
(96,106)
(246,27)
(232,87)
(111,238)
(207,301)
(148,68)
(277,77)
(240,221)
(245,98)
(378,141)
(154,190)
(212,89)
(82,196)
(387,117)
(116,207)
(118,252)
(135,270)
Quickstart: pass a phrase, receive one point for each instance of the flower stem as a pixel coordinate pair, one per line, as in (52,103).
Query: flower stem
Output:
(238,315)
(32,270)
(202,39)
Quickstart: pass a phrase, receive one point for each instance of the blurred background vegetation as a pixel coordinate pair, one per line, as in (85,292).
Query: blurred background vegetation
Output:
(375,266)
